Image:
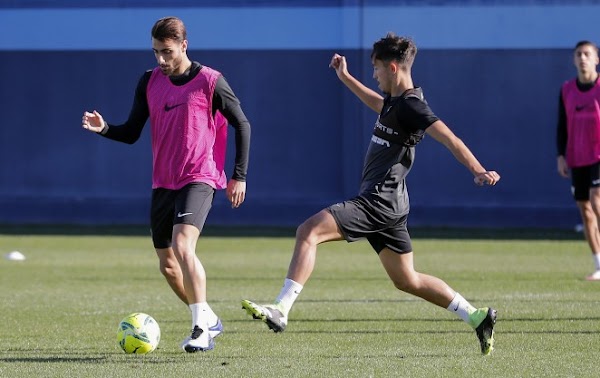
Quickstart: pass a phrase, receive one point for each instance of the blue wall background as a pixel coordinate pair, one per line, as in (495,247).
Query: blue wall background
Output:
(490,69)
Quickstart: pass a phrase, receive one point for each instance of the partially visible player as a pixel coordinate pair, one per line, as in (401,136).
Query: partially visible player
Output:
(189,106)
(578,143)
(379,213)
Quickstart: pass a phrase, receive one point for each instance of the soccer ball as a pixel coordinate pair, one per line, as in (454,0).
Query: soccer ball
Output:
(138,333)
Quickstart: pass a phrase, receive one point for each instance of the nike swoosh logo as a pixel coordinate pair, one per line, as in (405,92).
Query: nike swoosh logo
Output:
(180,214)
(168,108)
(456,308)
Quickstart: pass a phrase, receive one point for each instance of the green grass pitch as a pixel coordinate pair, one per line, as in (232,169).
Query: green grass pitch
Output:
(59,309)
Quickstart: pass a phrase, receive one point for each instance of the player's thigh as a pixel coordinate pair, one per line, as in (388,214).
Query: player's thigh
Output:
(185,237)
(357,219)
(192,205)
(393,236)
(319,228)
(399,266)
(161,217)
(595,187)
(581,182)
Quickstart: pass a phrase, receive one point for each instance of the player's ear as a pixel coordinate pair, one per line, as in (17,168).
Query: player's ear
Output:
(184,45)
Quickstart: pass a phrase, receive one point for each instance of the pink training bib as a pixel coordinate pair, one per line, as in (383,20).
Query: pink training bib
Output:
(583,124)
(188,143)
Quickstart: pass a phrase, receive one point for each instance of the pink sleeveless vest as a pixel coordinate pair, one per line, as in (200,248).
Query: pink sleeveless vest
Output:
(583,124)
(188,143)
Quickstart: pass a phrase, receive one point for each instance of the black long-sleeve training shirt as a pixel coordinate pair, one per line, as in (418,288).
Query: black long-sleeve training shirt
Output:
(224,100)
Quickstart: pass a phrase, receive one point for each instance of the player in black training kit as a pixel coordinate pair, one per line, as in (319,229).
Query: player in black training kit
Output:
(379,213)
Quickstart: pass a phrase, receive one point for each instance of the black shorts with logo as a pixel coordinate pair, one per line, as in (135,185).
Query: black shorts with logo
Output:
(359,219)
(584,178)
(188,205)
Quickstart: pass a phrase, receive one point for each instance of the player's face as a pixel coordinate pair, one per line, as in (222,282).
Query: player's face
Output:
(383,75)
(170,55)
(585,59)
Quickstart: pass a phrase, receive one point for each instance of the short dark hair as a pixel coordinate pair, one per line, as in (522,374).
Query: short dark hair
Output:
(169,28)
(585,43)
(393,47)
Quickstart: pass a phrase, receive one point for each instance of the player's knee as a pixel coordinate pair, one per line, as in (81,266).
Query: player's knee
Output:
(183,249)
(587,211)
(169,272)
(307,233)
(303,231)
(595,205)
(406,285)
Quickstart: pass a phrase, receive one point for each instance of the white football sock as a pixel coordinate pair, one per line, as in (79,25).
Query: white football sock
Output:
(202,315)
(286,298)
(596,257)
(461,307)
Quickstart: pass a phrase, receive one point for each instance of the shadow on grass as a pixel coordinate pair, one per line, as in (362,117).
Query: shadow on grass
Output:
(440,332)
(438,320)
(117,357)
(287,232)
(56,359)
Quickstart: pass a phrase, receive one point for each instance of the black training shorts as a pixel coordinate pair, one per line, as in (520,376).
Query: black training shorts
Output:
(584,178)
(359,219)
(188,205)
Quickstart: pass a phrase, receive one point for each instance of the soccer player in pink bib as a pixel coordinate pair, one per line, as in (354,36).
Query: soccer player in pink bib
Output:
(189,106)
(578,143)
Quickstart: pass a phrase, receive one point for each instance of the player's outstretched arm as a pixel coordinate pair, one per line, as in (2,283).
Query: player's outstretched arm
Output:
(368,96)
(440,132)
(93,121)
